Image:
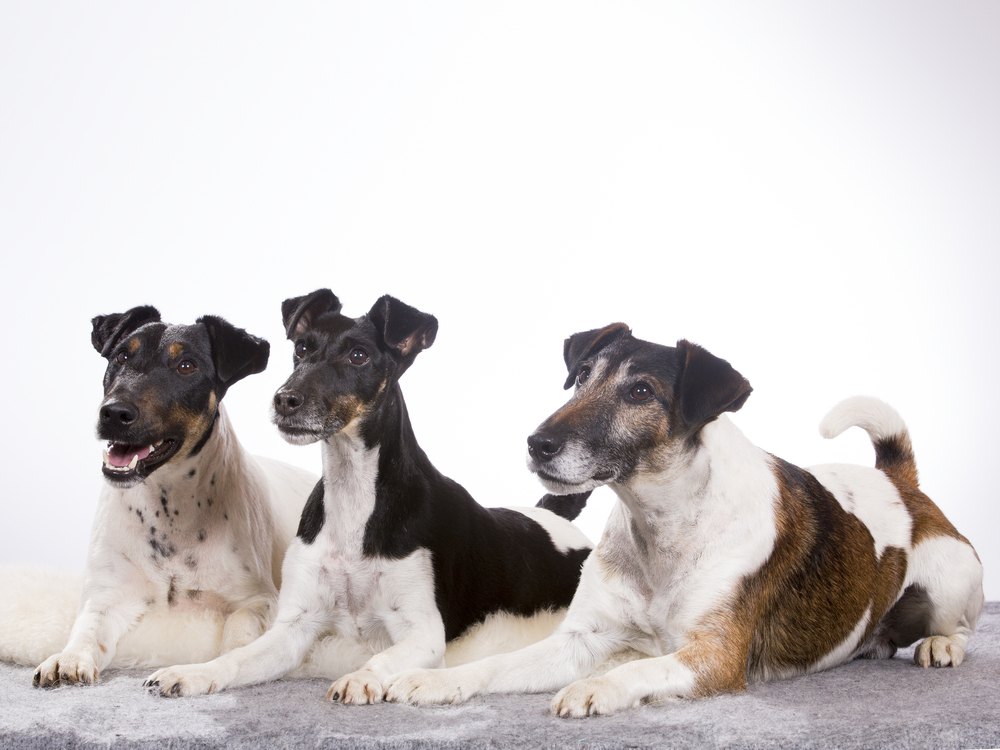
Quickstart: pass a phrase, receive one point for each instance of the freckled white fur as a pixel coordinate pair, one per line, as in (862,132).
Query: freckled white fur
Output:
(676,547)
(125,618)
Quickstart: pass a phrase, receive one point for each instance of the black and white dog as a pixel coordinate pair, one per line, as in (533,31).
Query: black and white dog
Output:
(190,531)
(390,553)
(721,563)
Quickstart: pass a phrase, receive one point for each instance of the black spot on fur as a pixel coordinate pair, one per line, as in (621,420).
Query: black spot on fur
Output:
(142,518)
(172,591)
(192,473)
(190,562)
(150,601)
(567,506)
(209,501)
(193,593)
(201,535)
(313,514)
(225,516)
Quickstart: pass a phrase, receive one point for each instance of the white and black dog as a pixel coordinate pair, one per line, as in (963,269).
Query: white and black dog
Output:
(722,563)
(391,556)
(190,530)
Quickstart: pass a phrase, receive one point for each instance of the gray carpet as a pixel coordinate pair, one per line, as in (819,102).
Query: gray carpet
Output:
(863,704)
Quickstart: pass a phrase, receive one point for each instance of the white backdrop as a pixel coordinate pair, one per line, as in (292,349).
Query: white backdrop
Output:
(810,191)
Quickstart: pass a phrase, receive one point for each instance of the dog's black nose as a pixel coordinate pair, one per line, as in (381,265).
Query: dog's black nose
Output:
(542,446)
(287,401)
(119,412)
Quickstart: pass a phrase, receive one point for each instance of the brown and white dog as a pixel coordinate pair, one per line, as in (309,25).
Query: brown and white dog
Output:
(722,563)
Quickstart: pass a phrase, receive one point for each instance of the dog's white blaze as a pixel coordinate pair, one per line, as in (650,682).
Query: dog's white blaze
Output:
(564,534)
(869,494)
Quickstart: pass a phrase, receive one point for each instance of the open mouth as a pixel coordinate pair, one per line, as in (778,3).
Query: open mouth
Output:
(128,461)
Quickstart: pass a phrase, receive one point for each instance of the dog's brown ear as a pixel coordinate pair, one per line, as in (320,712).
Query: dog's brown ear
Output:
(298,313)
(235,353)
(109,330)
(579,346)
(405,330)
(707,386)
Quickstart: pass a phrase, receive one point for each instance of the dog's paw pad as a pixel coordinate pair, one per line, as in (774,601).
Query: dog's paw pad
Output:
(424,687)
(590,697)
(939,651)
(357,688)
(66,669)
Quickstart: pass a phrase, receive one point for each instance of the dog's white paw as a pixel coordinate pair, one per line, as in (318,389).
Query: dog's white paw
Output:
(357,688)
(939,651)
(591,697)
(425,687)
(187,680)
(66,668)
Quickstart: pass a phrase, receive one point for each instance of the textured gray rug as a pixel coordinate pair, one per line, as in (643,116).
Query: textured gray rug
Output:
(863,704)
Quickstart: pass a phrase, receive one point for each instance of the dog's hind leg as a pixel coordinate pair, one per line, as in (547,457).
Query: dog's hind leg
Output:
(945,574)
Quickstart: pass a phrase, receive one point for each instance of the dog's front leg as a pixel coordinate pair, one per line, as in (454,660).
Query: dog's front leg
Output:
(273,655)
(105,616)
(696,669)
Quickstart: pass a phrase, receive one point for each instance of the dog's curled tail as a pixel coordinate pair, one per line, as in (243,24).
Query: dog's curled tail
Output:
(893,450)
(567,506)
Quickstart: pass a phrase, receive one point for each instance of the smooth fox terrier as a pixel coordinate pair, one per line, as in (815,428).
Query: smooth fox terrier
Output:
(722,563)
(188,523)
(390,554)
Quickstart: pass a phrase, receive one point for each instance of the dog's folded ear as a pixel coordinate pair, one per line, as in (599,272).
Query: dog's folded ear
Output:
(405,330)
(109,330)
(298,313)
(707,386)
(579,346)
(235,353)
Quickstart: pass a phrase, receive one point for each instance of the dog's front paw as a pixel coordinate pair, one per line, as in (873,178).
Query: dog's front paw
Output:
(591,697)
(66,668)
(176,682)
(357,688)
(939,651)
(424,687)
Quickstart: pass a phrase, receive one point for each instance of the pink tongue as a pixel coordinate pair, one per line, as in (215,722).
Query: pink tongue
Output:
(121,455)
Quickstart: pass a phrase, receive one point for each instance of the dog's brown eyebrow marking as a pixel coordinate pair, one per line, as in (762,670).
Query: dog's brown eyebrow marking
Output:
(133,345)
(175,350)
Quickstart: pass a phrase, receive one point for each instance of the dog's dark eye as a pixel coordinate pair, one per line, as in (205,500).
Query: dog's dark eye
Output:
(640,392)
(583,375)
(301,348)
(358,356)
(121,358)
(186,367)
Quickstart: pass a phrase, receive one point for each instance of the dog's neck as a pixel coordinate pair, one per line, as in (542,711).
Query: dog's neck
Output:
(191,488)
(365,465)
(704,488)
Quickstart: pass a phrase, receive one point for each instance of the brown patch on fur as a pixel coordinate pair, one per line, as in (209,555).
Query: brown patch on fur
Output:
(104,649)
(348,408)
(928,520)
(717,654)
(821,578)
(133,345)
(175,350)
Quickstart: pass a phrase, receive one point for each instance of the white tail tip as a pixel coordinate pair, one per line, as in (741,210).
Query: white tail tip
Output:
(876,417)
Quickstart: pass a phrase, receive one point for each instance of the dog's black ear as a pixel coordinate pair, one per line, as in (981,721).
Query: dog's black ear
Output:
(579,346)
(707,386)
(109,330)
(405,330)
(298,313)
(235,353)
